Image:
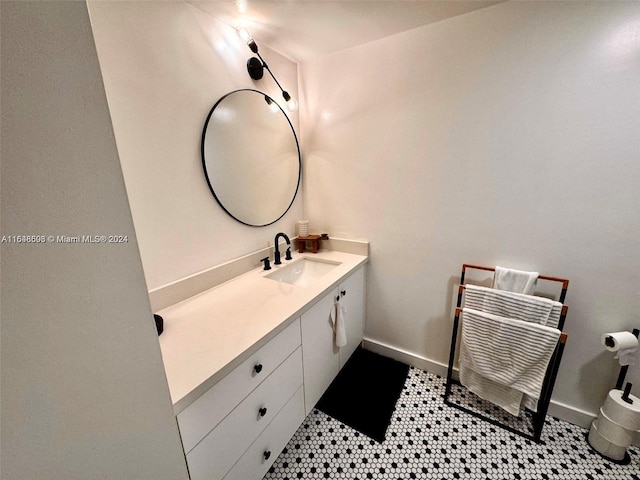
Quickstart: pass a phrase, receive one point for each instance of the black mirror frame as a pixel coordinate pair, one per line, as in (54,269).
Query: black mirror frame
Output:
(204,167)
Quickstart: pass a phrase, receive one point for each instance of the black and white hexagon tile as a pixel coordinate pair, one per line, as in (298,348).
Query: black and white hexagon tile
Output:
(430,440)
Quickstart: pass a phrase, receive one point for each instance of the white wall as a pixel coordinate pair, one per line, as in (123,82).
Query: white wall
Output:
(507,136)
(84,394)
(164,65)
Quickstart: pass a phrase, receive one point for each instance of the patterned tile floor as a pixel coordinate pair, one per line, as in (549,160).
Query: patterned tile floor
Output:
(430,440)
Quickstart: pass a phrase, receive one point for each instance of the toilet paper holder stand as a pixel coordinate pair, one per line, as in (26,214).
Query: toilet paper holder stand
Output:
(597,446)
(625,394)
(623,370)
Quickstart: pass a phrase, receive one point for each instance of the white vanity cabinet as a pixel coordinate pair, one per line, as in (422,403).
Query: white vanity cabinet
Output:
(322,360)
(261,398)
(245,369)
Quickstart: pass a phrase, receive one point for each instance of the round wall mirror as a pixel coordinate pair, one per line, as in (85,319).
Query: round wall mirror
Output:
(251,157)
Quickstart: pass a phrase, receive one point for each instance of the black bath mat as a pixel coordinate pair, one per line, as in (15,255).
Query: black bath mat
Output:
(364,394)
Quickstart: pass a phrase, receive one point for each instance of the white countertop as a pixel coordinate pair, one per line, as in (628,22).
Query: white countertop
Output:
(207,335)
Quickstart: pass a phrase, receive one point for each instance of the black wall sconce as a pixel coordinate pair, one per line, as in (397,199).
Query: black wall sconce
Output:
(256,67)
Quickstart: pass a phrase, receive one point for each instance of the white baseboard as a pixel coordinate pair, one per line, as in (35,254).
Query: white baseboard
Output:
(559,410)
(571,414)
(404,356)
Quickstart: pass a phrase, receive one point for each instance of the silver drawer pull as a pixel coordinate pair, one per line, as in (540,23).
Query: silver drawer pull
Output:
(262,411)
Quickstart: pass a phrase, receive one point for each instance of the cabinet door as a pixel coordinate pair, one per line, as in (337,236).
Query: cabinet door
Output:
(319,354)
(352,298)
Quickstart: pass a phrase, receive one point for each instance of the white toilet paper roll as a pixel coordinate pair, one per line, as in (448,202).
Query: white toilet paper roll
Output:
(627,415)
(604,446)
(624,343)
(612,431)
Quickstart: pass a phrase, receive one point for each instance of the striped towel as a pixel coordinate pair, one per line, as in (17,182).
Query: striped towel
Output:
(517,306)
(501,359)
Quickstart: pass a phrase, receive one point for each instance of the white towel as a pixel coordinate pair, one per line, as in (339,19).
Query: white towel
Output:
(501,359)
(338,313)
(515,280)
(517,306)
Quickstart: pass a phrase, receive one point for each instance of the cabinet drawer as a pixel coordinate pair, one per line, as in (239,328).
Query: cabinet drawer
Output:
(257,460)
(218,451)
(207,411)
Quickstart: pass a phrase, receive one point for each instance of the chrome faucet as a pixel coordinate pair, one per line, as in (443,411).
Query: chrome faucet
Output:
(276,255)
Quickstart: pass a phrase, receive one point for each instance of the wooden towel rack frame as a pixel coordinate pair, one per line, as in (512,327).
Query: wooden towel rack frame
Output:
(539,416)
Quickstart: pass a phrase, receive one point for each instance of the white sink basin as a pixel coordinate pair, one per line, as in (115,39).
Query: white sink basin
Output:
(302,272)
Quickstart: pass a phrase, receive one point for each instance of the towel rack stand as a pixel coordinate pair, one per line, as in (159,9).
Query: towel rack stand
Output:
(538,417)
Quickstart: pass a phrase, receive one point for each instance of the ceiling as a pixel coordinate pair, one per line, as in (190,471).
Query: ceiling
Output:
(303,29)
